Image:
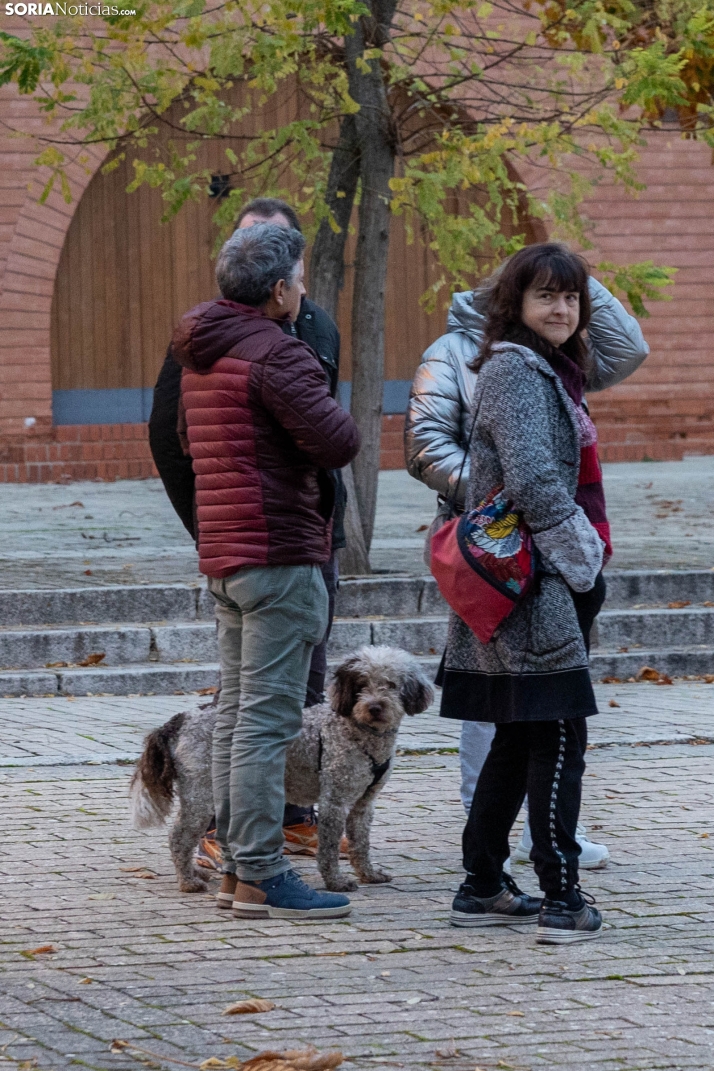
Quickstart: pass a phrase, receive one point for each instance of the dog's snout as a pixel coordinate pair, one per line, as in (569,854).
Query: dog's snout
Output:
(375,709)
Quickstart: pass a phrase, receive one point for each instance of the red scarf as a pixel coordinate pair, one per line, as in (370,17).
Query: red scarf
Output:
(590,495)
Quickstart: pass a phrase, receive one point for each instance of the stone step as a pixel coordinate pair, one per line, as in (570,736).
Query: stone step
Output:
(195,642)
(674,661)
(638,588)
(693,626)
(375,596)
(151,678)
(138,679)
(126,603)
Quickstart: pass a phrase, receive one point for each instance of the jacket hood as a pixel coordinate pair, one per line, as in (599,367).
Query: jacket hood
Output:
(211,329)
(468,313)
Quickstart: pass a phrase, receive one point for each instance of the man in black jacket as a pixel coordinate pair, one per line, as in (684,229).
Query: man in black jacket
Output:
(314,327)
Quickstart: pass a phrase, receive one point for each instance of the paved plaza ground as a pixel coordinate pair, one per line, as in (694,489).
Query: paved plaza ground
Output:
(392,986)
(130,958)
(662,516)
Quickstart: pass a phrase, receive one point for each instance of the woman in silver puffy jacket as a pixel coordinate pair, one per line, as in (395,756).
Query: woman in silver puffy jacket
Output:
(435,439)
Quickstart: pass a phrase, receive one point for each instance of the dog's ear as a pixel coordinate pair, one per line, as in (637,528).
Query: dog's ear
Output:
(417,693)
(343,690)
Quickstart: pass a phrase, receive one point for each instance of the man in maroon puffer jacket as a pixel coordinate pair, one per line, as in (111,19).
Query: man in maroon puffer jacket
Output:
(262,430)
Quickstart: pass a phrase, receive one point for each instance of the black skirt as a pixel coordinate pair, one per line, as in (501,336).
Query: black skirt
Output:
(501,698)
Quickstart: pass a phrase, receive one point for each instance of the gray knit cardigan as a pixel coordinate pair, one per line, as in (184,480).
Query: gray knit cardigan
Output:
(526,437)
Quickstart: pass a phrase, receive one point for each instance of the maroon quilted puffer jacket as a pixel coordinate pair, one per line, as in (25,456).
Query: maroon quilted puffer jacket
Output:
(262,428)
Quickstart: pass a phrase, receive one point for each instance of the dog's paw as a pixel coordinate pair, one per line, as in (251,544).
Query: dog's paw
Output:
(195,884)
(375,877)
(340,883)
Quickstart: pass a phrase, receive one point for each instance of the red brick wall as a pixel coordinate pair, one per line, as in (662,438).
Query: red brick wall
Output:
(31,238)
(120,452)
(666,409)
(80,452)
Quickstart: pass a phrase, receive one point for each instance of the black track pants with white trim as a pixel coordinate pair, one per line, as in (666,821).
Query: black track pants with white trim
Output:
(546,760)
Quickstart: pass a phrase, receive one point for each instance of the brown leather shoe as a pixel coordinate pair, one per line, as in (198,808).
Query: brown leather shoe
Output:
(300,839)
(227,891)
(208,854)
(303,840)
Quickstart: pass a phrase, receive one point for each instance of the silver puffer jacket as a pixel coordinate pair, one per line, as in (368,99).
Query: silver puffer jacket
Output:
(437,422)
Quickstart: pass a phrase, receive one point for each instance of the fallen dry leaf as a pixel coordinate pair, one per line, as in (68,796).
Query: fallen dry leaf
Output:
(56,665)
(207,691)
(664,679)
(86,981)
(679,604)
(138,871)
(101,896)
(93,659)
(612,703)
(709,678)
(118,1045)
(515,1013)
(708,603)
(213,1062)
(648,673)
(41,950)
(422,528)
(247,1007)
(611,680)
(294,1060)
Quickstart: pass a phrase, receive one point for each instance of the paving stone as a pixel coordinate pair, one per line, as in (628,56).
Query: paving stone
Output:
(165,964)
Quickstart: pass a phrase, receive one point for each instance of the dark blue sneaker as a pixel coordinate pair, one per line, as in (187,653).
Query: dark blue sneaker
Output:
(286,896)
(560,923)
(509,905)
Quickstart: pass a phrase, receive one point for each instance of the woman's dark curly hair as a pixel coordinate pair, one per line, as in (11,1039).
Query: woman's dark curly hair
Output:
(550,266)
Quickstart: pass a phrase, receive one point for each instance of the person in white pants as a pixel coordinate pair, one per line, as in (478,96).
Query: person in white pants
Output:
(476,737)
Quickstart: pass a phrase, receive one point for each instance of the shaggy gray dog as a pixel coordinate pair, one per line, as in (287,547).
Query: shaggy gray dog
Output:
(341,761)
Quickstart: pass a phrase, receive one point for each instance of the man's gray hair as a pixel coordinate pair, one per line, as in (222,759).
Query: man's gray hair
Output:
(254,259)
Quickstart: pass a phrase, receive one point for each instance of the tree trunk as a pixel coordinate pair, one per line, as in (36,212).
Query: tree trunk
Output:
(354,559)
(377,154)
(327,267)
(327,262)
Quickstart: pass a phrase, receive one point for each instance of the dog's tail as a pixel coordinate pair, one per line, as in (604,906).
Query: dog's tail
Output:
(151,791)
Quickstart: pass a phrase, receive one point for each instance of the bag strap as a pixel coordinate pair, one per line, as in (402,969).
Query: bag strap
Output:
(451,500)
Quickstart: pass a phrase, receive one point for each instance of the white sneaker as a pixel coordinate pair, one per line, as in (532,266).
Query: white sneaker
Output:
(592,855)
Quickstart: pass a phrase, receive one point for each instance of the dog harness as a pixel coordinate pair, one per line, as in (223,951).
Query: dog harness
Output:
(379,769)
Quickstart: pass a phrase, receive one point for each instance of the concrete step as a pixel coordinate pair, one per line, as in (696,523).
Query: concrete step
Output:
(173,678)
(638,588)
(137,679)
(375,596)
(674,661)
(693,626)
(195,642)
(119,644)
(144,603)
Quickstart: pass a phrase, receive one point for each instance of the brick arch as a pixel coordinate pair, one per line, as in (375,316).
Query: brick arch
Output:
(33,236)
